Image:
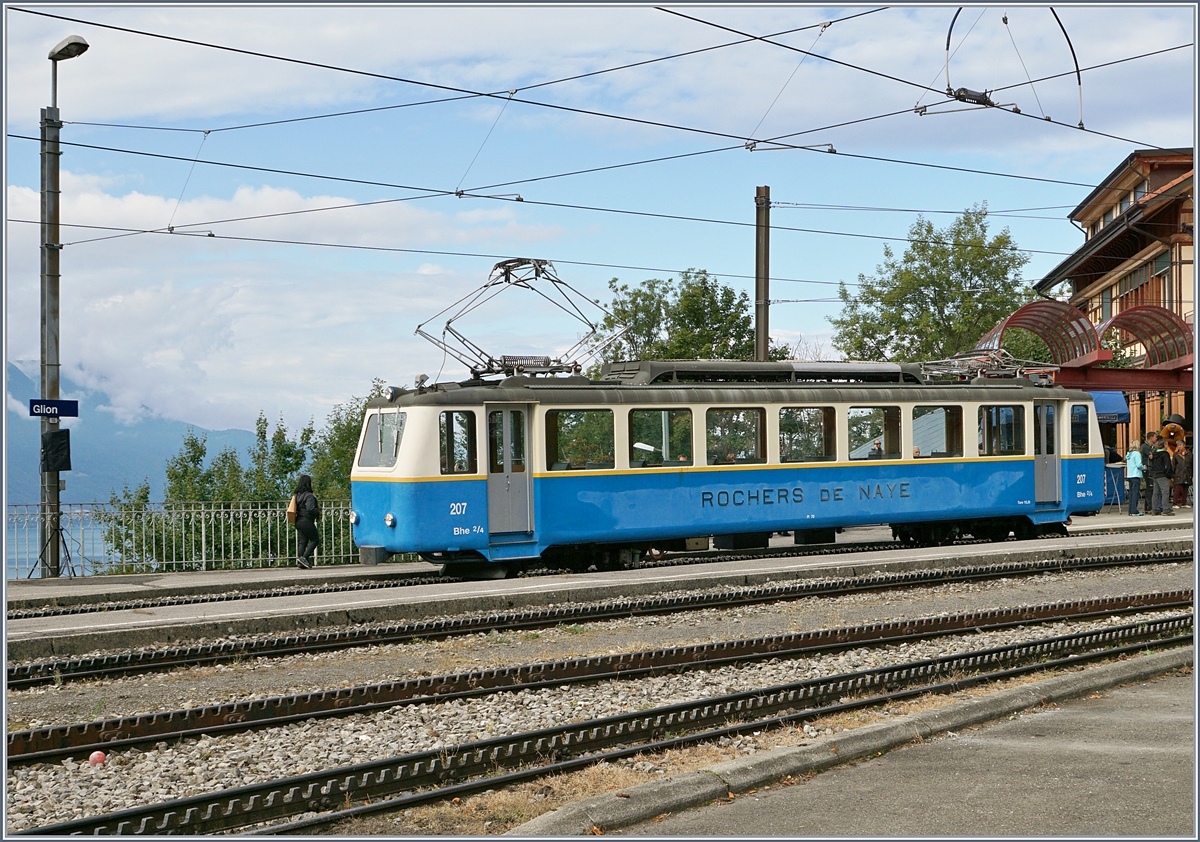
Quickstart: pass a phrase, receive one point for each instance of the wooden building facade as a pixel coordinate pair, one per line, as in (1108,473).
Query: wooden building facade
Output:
(1137,250)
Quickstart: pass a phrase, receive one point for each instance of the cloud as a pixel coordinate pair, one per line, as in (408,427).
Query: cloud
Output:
(211,331)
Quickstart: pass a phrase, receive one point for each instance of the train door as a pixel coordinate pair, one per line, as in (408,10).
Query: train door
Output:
(510,494)
(1047,476)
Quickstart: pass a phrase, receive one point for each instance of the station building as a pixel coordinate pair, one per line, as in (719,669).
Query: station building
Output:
(1137,250)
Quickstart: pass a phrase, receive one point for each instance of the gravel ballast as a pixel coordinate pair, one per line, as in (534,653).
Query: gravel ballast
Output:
(48,794)
(263,677)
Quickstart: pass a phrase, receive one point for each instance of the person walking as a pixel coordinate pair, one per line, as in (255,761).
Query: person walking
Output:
(1181,464)
(308,512)
(1133,477)
(1159,471)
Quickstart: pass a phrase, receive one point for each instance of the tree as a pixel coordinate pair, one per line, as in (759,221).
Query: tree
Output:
(334,446)
(187,478)
(949,288)
(698,318)
(275,461)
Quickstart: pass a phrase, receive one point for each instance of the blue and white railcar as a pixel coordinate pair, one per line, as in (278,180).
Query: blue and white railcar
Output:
(486,476)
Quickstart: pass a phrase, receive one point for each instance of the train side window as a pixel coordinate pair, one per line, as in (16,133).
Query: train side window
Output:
(1001,431)
(807,434)
(659,437)
(457,436)
(737,436)
(937,432)
(874,432)
(579,439)
(381,443)
(1080,430)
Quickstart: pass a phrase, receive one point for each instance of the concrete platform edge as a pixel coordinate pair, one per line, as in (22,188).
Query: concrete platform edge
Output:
(631,806)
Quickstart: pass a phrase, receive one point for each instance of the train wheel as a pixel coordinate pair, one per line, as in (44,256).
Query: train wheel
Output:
(941,534)
(480,571)
(1025,530)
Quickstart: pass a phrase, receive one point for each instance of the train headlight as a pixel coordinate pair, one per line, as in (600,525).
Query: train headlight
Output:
(389,519)
(353,517)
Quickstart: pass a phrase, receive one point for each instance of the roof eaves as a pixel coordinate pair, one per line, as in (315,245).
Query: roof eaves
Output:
(1121,169)
(1072,261)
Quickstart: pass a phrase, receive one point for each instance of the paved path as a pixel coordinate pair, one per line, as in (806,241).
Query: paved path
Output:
(1115,763)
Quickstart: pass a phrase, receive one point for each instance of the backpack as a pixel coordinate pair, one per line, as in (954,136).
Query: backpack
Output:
(291,510)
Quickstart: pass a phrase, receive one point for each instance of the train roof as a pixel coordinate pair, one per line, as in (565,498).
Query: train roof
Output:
(645,372)
(724,381)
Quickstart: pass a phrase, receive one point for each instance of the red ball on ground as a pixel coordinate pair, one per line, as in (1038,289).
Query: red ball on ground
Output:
(97,758)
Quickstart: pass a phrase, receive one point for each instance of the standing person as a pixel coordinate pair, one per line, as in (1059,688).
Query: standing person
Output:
(1147,449)
(1159,471)
(308,512)
(1133,477)
(1182,464)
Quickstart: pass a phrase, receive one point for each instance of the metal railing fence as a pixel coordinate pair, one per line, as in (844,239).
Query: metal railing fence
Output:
(108,539)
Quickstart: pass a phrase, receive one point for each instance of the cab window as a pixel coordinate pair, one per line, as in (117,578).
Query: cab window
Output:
(456,432)
(381,443)
(1080,430)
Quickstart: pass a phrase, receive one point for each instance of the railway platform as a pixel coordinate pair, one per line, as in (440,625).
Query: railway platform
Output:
(65,591)
(324,602)
(1108,751)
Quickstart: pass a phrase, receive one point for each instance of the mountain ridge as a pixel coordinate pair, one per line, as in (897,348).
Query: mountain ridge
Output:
(106,454)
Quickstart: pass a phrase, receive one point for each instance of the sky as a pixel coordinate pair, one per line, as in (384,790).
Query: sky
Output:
(213,330)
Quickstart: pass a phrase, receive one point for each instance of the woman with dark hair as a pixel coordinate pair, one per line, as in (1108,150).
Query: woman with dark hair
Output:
(308,512)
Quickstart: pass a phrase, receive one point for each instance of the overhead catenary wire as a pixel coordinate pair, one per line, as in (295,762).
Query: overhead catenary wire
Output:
(530,87)
(1014,213)
(767,40)
(191,169)
(442,253)
(388,77)
(1137,57)
(795,70)
(485,140)
(561,205)
(454,89)
(369,182)
(1021,59)
(399,250)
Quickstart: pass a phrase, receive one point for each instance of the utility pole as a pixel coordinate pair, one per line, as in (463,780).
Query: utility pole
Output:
(49,523)
(762,273)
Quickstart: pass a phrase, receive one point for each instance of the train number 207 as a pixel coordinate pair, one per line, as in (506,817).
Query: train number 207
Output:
(458,508)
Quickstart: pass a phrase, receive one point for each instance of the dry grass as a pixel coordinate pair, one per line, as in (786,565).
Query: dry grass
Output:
(497,811)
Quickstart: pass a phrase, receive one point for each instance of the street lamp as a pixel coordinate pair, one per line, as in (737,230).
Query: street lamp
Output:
(49,526)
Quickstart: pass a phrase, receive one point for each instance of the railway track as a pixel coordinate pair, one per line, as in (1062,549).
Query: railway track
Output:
(107,666)
(668,560)
(458,770)
(54,744)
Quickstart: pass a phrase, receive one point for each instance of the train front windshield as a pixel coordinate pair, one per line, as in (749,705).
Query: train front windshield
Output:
(381,444)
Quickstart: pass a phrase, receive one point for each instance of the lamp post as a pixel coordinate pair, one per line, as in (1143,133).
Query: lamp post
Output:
(49,526)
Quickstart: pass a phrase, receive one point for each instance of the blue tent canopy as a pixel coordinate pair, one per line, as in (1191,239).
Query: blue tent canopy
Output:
(1111,407)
